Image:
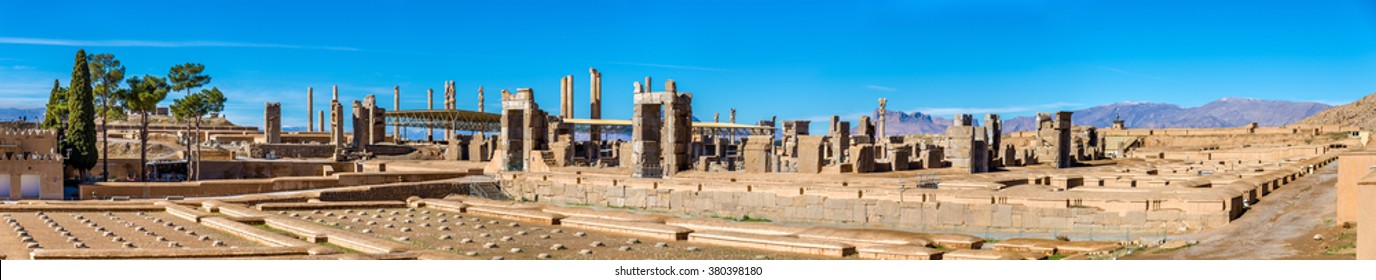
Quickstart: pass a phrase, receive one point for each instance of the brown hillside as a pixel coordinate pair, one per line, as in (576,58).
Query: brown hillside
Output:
(1360,113)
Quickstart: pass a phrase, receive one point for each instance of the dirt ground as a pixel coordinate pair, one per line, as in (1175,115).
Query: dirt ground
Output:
(1281,226)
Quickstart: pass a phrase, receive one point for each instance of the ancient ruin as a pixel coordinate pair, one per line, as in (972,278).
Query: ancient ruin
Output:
(523,183)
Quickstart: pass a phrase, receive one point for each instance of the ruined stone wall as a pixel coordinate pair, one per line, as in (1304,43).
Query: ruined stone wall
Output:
(396,191)
(239,169)
(1352,167)
(1366,215)
(253,186)
(292,150)
(30,157)
(870,208)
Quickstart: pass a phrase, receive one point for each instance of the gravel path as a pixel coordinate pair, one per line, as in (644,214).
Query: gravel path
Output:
(1267,229)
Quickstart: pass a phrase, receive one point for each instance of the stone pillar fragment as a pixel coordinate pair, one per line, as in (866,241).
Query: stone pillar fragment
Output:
(840,139)
(337,124)
(450,103)
(757,154)
(480,100)
(272,123)
(993,132)
(810,154)
(360,126)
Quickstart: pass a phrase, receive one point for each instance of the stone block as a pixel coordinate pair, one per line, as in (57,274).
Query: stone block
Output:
(1108,219)
(1055,222)
(1135,218)
(1163,216)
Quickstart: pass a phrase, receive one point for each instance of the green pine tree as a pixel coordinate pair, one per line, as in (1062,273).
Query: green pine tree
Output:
(142,98)
(107,73)
(81,125)
(56,111)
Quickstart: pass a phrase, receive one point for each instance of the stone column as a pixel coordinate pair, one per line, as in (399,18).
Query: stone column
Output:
(595,102)
(321,120)
(396,106)
(335,89)
(733,131)
(480,100)
(881,135)
(310,110)
(566,97)
(563,95)
(430,105)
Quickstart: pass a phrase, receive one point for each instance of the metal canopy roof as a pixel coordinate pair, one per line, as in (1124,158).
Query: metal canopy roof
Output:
(698,127)
(462,120)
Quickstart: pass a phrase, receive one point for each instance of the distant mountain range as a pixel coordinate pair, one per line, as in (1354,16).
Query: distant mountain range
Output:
(10,114)
(1224,112)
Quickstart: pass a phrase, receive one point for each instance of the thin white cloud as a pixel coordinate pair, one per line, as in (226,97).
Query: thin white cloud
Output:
(671,66)
(943,111)
(159,44)
(1134,74)
(26,94)
(880,88)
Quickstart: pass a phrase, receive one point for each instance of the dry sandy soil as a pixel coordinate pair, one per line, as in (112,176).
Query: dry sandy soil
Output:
(1281,226)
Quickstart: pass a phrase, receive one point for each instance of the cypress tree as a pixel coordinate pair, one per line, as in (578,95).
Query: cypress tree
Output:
(81,124)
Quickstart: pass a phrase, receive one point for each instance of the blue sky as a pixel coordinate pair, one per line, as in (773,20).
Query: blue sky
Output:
(793,59)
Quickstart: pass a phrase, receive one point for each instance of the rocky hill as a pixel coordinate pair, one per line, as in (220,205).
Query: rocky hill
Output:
(1360,113)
